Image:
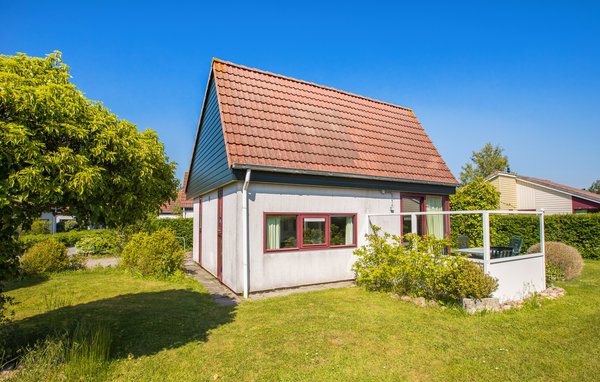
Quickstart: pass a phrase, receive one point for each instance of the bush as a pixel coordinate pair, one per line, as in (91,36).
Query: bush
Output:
(69,239)
(67,225)
(158,254)
(554,273)
(38,227)
(48,256)
(419,268)
(467,280)
(182,227)
(100,245)
(563,256)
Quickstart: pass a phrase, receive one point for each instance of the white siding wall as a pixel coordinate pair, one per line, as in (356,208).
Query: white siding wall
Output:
(231,249)
(232,265)
(519,276)
(210,204)
(286,269)
(530,196)
(195,231)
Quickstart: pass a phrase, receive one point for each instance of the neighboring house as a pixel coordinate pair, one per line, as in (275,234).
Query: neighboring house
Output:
(518,192)
(187,205)
(53,219)
(284,171)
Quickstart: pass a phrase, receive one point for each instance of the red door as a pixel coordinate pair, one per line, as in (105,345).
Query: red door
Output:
(200,235)
(220,237)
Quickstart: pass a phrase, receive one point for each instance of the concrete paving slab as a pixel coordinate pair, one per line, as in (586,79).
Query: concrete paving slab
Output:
(219,292)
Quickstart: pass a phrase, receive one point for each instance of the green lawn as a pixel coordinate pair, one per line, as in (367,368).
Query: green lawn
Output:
(176,332)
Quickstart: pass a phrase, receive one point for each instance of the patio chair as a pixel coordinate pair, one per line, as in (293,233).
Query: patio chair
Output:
(515,243)
(463,242)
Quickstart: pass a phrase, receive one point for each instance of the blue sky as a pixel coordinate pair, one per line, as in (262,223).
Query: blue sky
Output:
(524,75)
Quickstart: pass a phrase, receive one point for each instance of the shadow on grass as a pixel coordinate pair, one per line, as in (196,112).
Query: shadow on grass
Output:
(140,324)
(25,282)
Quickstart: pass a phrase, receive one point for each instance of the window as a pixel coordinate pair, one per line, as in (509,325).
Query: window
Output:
(316,231)
(435,225)
(412,204)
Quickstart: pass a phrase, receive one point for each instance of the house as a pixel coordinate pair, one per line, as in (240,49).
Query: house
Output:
(54,218)
(284,172)
(519,192)
(169,210)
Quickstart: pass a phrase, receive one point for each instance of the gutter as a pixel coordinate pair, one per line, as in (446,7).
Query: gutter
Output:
(245,251)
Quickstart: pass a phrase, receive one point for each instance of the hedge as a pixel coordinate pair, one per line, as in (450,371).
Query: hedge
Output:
(67,238)
(581,231)
(182,227)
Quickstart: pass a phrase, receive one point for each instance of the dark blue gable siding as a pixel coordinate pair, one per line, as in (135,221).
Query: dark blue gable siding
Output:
(209,167)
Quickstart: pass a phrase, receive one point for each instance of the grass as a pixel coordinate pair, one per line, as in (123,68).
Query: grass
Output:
(174,331)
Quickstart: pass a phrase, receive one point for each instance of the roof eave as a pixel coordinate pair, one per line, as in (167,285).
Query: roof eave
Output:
(241,166)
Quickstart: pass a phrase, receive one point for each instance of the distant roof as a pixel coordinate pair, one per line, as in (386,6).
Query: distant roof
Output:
(279,123)
(181,199)
(555,186)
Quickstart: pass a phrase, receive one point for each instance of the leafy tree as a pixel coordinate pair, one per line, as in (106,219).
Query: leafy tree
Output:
(484,163)
(60,150)
(595,187)
(477,195)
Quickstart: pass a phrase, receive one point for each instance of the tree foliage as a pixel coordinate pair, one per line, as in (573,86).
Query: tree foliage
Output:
(484,163)
(476,195)
(59,150)
(595,187)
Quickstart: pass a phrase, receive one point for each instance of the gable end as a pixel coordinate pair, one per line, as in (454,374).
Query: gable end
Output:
(209,167)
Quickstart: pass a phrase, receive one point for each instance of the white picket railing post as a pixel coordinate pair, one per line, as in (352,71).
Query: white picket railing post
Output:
(543,243)
(486,241)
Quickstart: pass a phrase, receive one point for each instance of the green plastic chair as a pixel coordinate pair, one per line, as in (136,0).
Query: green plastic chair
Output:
(463,242)
(515,243)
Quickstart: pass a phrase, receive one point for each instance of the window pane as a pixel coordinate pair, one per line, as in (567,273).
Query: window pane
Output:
(341,230)
(411,205)
(281,231)
(435,223)
(314,231)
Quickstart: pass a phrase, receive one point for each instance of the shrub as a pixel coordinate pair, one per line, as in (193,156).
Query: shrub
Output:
(67,225)
(563,256)
(182,227)
(554,273)
(158,254)
(38,227)
(467,280)
(69,239)
(419,268)
(100,245)
(48,256)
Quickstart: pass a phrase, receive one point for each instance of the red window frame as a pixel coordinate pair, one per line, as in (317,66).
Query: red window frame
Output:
(423,197)
(300,231)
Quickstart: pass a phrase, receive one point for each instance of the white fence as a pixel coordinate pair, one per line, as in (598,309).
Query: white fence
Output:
(518,276)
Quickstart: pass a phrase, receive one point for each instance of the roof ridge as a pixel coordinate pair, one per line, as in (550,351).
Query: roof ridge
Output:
(563,185)
(309,83)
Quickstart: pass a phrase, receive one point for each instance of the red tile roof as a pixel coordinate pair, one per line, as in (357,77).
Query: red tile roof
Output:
(279,122)
(181,199)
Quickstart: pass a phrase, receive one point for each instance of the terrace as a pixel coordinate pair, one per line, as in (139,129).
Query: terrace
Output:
(519,273)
